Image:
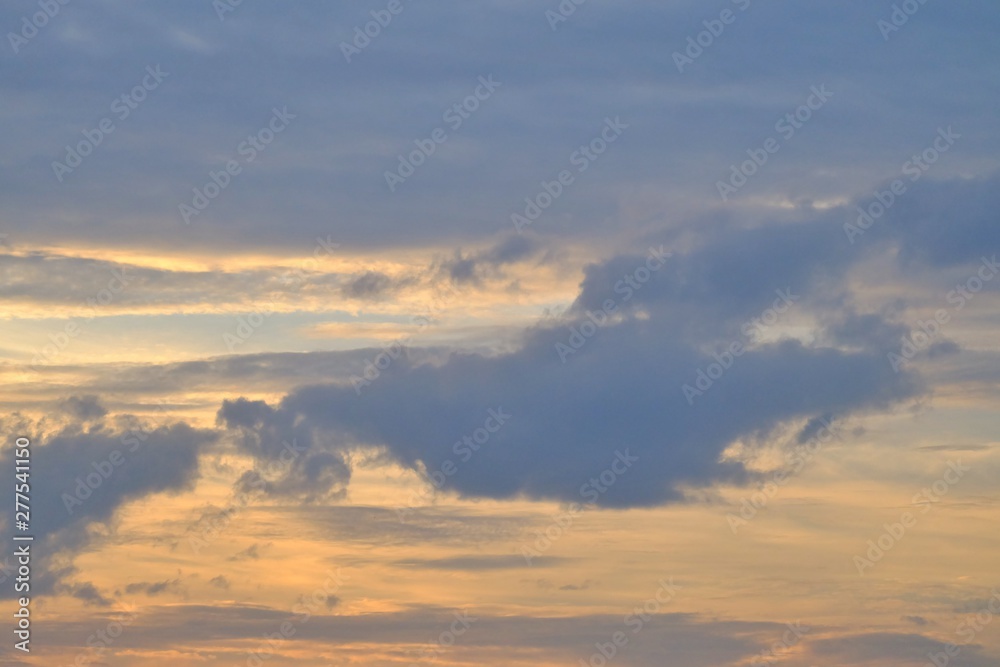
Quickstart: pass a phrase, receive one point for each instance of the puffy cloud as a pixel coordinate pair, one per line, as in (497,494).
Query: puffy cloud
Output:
(654,378)
(83,476)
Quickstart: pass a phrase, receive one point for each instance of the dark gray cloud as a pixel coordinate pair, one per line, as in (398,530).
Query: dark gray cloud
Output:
(84,475)
(293,463)
(83,408)
(685,638)
(154,588)
(86,592)
(473,267)
(944,223)
(566,428)
(325,173)
(897,647)
(368,285)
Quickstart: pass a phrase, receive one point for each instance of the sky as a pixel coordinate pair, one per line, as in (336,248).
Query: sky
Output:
(579,332)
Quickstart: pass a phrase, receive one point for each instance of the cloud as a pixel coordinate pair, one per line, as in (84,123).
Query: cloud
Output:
(89,474)
(648,351)
(296,464)
(250,553)
(891,648)
(154,588)
(944,223)
(83,408)
(474,267)
(916,620)
(370,284)
(86,592)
